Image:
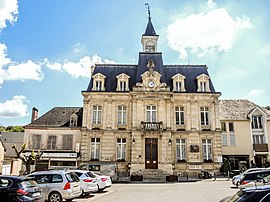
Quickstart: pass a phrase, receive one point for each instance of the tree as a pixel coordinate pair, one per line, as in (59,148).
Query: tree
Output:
(268,107)
(27,160)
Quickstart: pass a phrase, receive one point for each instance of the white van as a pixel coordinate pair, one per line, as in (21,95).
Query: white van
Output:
(105,169)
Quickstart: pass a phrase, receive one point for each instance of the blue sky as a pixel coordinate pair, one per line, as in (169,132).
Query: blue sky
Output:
(47,47)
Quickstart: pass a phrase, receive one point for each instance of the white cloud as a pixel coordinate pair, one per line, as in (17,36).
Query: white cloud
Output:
(8,12)
(10,70)
(82,68)
(205,32)
(255,92)
(14,108)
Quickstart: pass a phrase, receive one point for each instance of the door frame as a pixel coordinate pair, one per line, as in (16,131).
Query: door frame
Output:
(152,144)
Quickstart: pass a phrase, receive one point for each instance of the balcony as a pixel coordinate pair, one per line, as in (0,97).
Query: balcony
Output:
(151,126)
(260,147)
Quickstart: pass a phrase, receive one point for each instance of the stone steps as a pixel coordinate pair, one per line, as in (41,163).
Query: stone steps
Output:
(153,175)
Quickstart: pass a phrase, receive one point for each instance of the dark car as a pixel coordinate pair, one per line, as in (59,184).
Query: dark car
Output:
(14,188)
(256,176)
(250,194)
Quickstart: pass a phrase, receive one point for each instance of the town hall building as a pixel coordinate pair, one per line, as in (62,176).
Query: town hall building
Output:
(151,115)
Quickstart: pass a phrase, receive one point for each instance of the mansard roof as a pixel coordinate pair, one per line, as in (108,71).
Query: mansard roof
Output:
(238,109)
(58,117)
(191,72)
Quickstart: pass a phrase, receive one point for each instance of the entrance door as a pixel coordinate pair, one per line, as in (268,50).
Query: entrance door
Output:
(151,153)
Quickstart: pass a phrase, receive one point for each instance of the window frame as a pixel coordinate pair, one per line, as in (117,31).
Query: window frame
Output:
(97,114)
(179,115)
(95,148)
(121,146)
(181,150)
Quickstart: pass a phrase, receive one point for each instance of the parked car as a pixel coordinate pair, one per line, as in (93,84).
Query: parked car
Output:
(88,181)
(58,184)
(256,176)
(104,169)
(103,181)
(13,188)
(250,194)
(236,179)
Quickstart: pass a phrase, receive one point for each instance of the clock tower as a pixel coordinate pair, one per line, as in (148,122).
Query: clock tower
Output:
(149,38)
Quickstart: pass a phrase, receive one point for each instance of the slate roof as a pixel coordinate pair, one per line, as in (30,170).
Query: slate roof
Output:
(150,31)
(135,72)
(238,109)
(58,117)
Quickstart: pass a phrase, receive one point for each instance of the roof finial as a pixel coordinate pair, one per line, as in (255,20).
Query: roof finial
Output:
(148,7)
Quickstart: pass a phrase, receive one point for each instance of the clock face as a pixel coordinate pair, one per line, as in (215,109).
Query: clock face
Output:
(151,84)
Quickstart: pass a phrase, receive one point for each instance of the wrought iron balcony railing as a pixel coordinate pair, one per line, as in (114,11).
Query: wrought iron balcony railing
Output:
(151,126)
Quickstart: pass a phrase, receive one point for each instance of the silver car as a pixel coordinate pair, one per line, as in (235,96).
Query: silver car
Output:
(236,179)
(58,184)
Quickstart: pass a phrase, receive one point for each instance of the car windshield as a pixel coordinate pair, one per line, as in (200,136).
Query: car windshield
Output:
(236,196)
(72,177)
(27,183)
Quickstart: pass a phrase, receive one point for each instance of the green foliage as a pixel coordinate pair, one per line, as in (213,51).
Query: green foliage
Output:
(267,107)
(12,129)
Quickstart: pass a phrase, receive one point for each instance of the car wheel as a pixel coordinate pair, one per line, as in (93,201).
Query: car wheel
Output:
(69,199)
(55,197)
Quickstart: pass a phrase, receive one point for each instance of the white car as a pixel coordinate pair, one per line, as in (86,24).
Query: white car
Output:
(103,181)
(58,185)
(88,181)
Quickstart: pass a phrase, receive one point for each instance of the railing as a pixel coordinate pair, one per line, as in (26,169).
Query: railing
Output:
(260,147)
(152,126)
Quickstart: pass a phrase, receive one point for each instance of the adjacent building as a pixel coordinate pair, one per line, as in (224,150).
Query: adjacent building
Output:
(58,135)
(245,129)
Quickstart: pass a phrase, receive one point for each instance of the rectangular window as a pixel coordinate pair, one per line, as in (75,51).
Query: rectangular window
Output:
(204,116)
(224,139)
(256,122)
(67,143)
(96,115)
(179,115)
(95,148)
(123,85)
(51,144)
(73,121)
(180,149)
(207,149)
(121,149)
(151,113)
(178,85)
(232,140)
(36,141)
(258,139)
(223,127)
(231,127)
(203,86)
(98,85)
(122,115)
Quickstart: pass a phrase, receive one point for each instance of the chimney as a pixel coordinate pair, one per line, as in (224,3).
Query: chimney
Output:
(34,114)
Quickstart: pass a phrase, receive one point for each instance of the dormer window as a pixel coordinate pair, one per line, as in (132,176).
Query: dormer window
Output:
(73,120)
(203,83)
(98,85)
(179,83)
(122,82)
(256,122)
(98,82)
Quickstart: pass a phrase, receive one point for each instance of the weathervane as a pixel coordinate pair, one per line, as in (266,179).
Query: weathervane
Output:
(148,7)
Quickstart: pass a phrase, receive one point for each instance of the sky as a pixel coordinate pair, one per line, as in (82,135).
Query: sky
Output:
(47,47)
